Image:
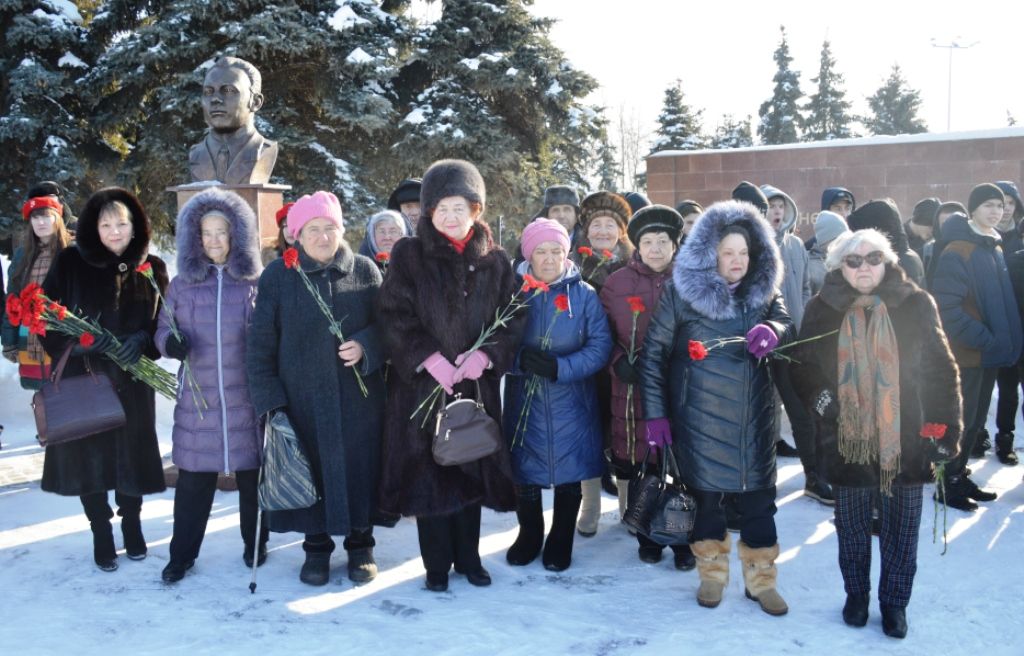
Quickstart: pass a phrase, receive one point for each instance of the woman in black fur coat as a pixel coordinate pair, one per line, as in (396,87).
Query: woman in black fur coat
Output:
(443,287)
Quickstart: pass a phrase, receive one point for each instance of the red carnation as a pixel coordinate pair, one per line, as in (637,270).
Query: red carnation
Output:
(933,431)
(86,339)
(607,254)
(13,309)
(697,350)
(291,258)
(145,268)
(58,310)
(586,251)
(562,303)
(37,327)
(383,257)
(636,304)
(30,292)
(533,283)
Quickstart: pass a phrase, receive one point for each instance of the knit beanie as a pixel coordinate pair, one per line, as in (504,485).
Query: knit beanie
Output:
(924,211)
(319,205)
(750,193)
(540,231)
(984,192)
(828,226)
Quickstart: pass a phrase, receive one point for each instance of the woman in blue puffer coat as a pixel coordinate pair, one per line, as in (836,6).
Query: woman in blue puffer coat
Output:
(555,434)
(212,298)
(713,401)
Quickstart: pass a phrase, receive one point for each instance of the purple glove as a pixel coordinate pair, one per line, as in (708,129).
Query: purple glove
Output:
(761,339)
(471,365)
(659,433)
(443,371)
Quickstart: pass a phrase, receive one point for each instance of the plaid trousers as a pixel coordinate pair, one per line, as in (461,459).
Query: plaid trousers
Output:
(901,524)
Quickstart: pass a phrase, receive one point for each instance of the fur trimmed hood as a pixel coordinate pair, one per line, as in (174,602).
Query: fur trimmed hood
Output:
(695,272)
(87,236)
(244,257)
(789,220)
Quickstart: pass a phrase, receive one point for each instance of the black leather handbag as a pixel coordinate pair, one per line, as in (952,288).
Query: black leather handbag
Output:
(286,478)
(464,432)
(74,407)
(659,509)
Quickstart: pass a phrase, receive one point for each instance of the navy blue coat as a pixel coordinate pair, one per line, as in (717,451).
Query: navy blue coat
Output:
(721,408)
(562,438)
(975,297)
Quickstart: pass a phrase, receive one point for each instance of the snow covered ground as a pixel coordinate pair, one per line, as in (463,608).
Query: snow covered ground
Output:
(54,600)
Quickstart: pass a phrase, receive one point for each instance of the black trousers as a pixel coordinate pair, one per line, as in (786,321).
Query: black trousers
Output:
(973,381)
(757,528)
(800,417)
(453,539)
(193,499)
(901,524)
(97,508)
(1008,379)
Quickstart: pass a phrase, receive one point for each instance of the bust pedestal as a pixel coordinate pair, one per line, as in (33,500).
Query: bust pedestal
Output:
(264,199)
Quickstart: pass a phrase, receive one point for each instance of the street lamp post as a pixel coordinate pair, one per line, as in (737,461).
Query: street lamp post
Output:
(951,46)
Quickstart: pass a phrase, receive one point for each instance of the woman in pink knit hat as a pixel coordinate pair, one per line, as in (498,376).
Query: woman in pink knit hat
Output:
(297,367)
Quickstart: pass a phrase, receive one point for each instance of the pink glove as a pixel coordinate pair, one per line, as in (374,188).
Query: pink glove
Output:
(761,339)
(443,372)
(471,365)
(659,433)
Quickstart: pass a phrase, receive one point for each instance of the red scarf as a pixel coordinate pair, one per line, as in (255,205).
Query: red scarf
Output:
(460,244)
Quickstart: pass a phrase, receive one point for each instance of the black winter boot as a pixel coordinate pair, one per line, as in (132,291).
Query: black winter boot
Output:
(855,612)
(972,491)
(129,508)
(819,490)
(683,558)
(1004,449)
(175,571)
(894,622)
(956,490)
(247,555)
(558,548)
(362,568)
(530,540)
(982,443)
(103,551)
(317,568)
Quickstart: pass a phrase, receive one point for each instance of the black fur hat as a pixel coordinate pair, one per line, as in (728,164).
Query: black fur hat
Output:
(451,177)
(689,207)
(407,191)
(655,218)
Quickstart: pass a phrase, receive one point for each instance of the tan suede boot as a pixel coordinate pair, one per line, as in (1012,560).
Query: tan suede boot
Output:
(713,568)
(759,575)
(590,509)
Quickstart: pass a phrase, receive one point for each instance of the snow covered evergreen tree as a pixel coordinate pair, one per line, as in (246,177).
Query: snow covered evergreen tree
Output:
(485,83)
(894,107)
(828,111)
(780,115)
(608,170)
(679,125)
(326,66)
(44,132)
(732,133)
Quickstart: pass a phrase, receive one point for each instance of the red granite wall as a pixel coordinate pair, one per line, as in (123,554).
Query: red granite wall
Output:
(905,171)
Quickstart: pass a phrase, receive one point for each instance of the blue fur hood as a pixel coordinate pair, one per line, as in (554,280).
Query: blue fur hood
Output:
(695,272)
(243,260)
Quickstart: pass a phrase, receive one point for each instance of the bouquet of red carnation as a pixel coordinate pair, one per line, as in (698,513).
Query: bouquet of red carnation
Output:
(588,252)
(291,261)
(561,305)
(501,319)
(40,313)
(146,269)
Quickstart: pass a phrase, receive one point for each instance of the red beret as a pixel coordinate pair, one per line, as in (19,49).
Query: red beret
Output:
(39,202)
(282,213)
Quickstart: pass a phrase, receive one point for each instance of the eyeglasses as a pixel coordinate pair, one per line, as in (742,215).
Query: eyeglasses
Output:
(874,258)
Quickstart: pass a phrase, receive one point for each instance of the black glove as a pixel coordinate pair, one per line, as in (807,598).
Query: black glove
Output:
(537,362)
(132,347)
(101,344)
(626,371)
(176,347)
(826,407)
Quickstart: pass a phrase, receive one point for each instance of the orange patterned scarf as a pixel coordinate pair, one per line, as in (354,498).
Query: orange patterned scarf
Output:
(869,390)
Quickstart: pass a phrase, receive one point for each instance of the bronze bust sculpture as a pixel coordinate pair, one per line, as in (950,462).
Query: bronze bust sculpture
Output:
(233,151)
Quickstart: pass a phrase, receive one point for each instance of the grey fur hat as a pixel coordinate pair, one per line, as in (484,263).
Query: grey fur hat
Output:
(451,177)
(561,195)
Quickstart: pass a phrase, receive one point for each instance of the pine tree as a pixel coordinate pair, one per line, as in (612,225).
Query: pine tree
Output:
(828,111)
(608,170)
(732,133)
(894,107)
(780,115)
(485,83)
(679,126)
(44,134)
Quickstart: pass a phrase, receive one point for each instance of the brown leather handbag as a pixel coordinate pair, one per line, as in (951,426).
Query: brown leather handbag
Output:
(464,432)
(71,408)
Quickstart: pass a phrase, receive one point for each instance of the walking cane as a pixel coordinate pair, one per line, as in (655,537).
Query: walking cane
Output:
(256,543)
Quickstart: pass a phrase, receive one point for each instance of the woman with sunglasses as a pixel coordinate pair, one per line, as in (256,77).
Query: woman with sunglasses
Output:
(880,376)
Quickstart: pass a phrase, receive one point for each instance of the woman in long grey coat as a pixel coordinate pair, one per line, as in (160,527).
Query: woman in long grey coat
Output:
(297,367)
(212,298)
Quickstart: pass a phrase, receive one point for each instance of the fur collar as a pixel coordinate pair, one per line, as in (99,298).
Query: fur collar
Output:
(87,234)
(243,259)
(437,246)
(894,289)
(695,272)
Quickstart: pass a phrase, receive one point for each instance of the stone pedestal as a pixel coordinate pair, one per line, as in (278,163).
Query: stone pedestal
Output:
(264,199)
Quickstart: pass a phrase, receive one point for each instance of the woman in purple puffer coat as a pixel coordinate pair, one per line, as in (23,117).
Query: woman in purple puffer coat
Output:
(211,298)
